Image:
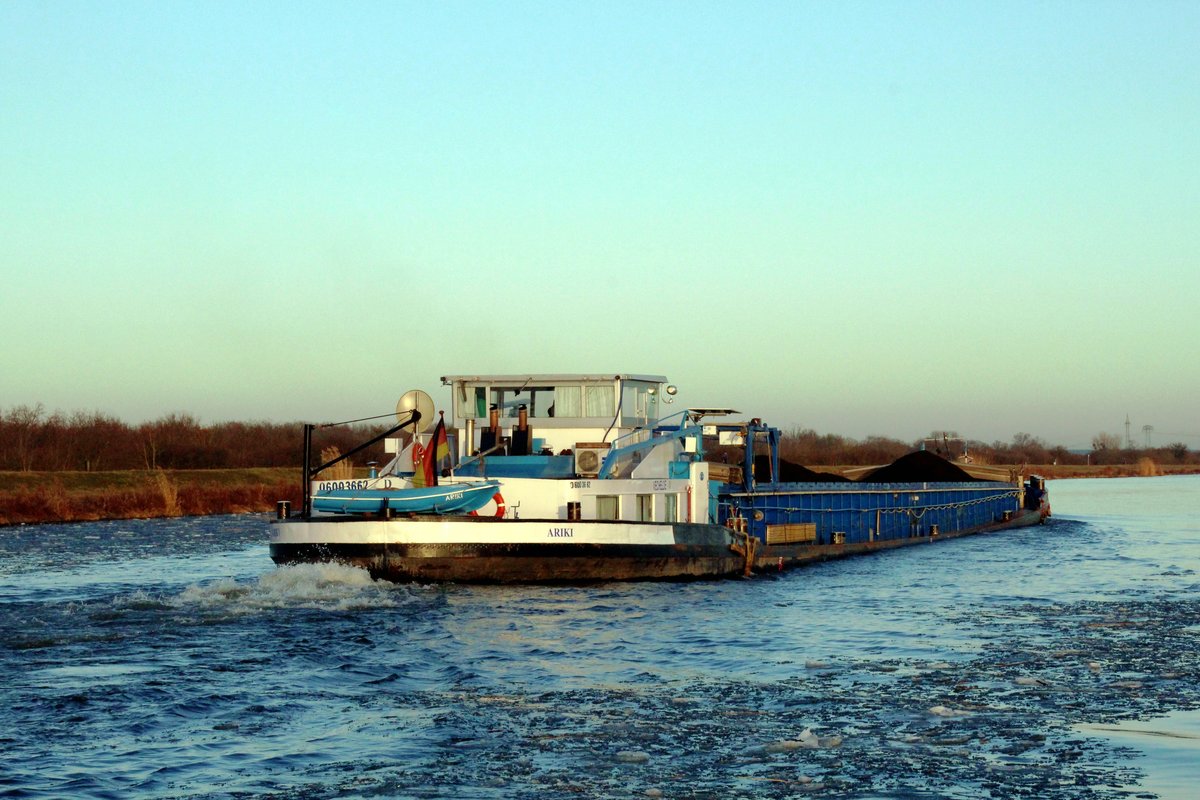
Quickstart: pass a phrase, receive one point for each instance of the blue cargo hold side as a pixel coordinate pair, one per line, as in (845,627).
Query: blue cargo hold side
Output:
(874,512)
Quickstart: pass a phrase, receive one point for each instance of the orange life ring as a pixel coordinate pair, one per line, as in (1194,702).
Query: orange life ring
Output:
(498,499)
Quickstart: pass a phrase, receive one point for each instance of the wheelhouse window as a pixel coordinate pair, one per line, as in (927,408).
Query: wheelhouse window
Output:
(475,401)
(639,399)
(508,401)
(599,401)
(568,401)
(541,401)
(472,402)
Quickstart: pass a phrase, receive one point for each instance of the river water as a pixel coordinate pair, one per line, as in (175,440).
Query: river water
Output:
(170,658)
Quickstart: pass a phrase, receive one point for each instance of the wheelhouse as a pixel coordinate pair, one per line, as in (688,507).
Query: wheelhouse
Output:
(551,414)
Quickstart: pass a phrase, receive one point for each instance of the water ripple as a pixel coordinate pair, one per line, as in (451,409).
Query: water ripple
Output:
(169,658)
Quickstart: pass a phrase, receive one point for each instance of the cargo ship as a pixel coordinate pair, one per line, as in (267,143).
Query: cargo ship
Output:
(555,478)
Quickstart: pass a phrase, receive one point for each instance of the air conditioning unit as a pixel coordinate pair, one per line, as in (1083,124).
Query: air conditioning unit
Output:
(588,458)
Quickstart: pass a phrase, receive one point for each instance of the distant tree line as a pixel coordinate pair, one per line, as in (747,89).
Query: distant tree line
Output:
(1106,449)
(32,440)
(806,446)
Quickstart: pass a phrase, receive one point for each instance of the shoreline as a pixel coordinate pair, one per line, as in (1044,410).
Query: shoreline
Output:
(36,498)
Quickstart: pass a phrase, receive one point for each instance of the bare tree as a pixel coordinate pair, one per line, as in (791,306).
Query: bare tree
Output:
(25,425)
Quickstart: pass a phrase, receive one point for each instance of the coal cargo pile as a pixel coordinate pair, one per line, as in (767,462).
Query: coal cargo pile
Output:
(920,466)
(793,473)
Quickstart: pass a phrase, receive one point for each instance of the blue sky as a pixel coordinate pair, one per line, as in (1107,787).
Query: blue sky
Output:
(864,218)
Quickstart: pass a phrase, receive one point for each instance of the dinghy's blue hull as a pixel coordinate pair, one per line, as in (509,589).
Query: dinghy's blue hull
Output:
(453,498)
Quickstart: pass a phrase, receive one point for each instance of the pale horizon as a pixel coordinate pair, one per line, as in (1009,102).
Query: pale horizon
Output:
(861,218)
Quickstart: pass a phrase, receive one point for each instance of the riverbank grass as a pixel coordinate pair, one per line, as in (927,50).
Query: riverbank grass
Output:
(34,497)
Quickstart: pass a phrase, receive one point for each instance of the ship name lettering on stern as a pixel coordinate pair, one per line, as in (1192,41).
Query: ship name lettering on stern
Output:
(561,533)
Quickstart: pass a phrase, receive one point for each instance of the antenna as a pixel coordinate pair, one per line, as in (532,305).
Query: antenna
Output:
(419,401)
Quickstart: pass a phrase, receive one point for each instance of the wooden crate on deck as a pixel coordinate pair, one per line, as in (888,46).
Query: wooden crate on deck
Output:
(793,533)
(724,473)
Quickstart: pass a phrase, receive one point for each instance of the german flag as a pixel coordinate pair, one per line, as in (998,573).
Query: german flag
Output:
(437,456)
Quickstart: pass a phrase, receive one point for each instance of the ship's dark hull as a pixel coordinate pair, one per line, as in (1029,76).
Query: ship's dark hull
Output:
(521,563)
(697,551)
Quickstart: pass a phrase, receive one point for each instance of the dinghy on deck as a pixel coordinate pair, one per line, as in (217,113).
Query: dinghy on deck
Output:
(449,498)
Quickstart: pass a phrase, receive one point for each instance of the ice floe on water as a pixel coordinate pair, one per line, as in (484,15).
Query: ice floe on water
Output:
(999,724)
(807,740)
(948,713)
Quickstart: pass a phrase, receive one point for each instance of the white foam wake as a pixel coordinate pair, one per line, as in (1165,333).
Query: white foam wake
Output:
(326,586)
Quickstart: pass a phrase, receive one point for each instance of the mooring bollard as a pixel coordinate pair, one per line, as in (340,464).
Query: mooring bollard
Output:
(282,508)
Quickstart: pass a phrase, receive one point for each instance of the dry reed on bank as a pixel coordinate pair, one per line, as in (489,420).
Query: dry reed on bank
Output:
(343,470)
(153,494)
(169,493)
